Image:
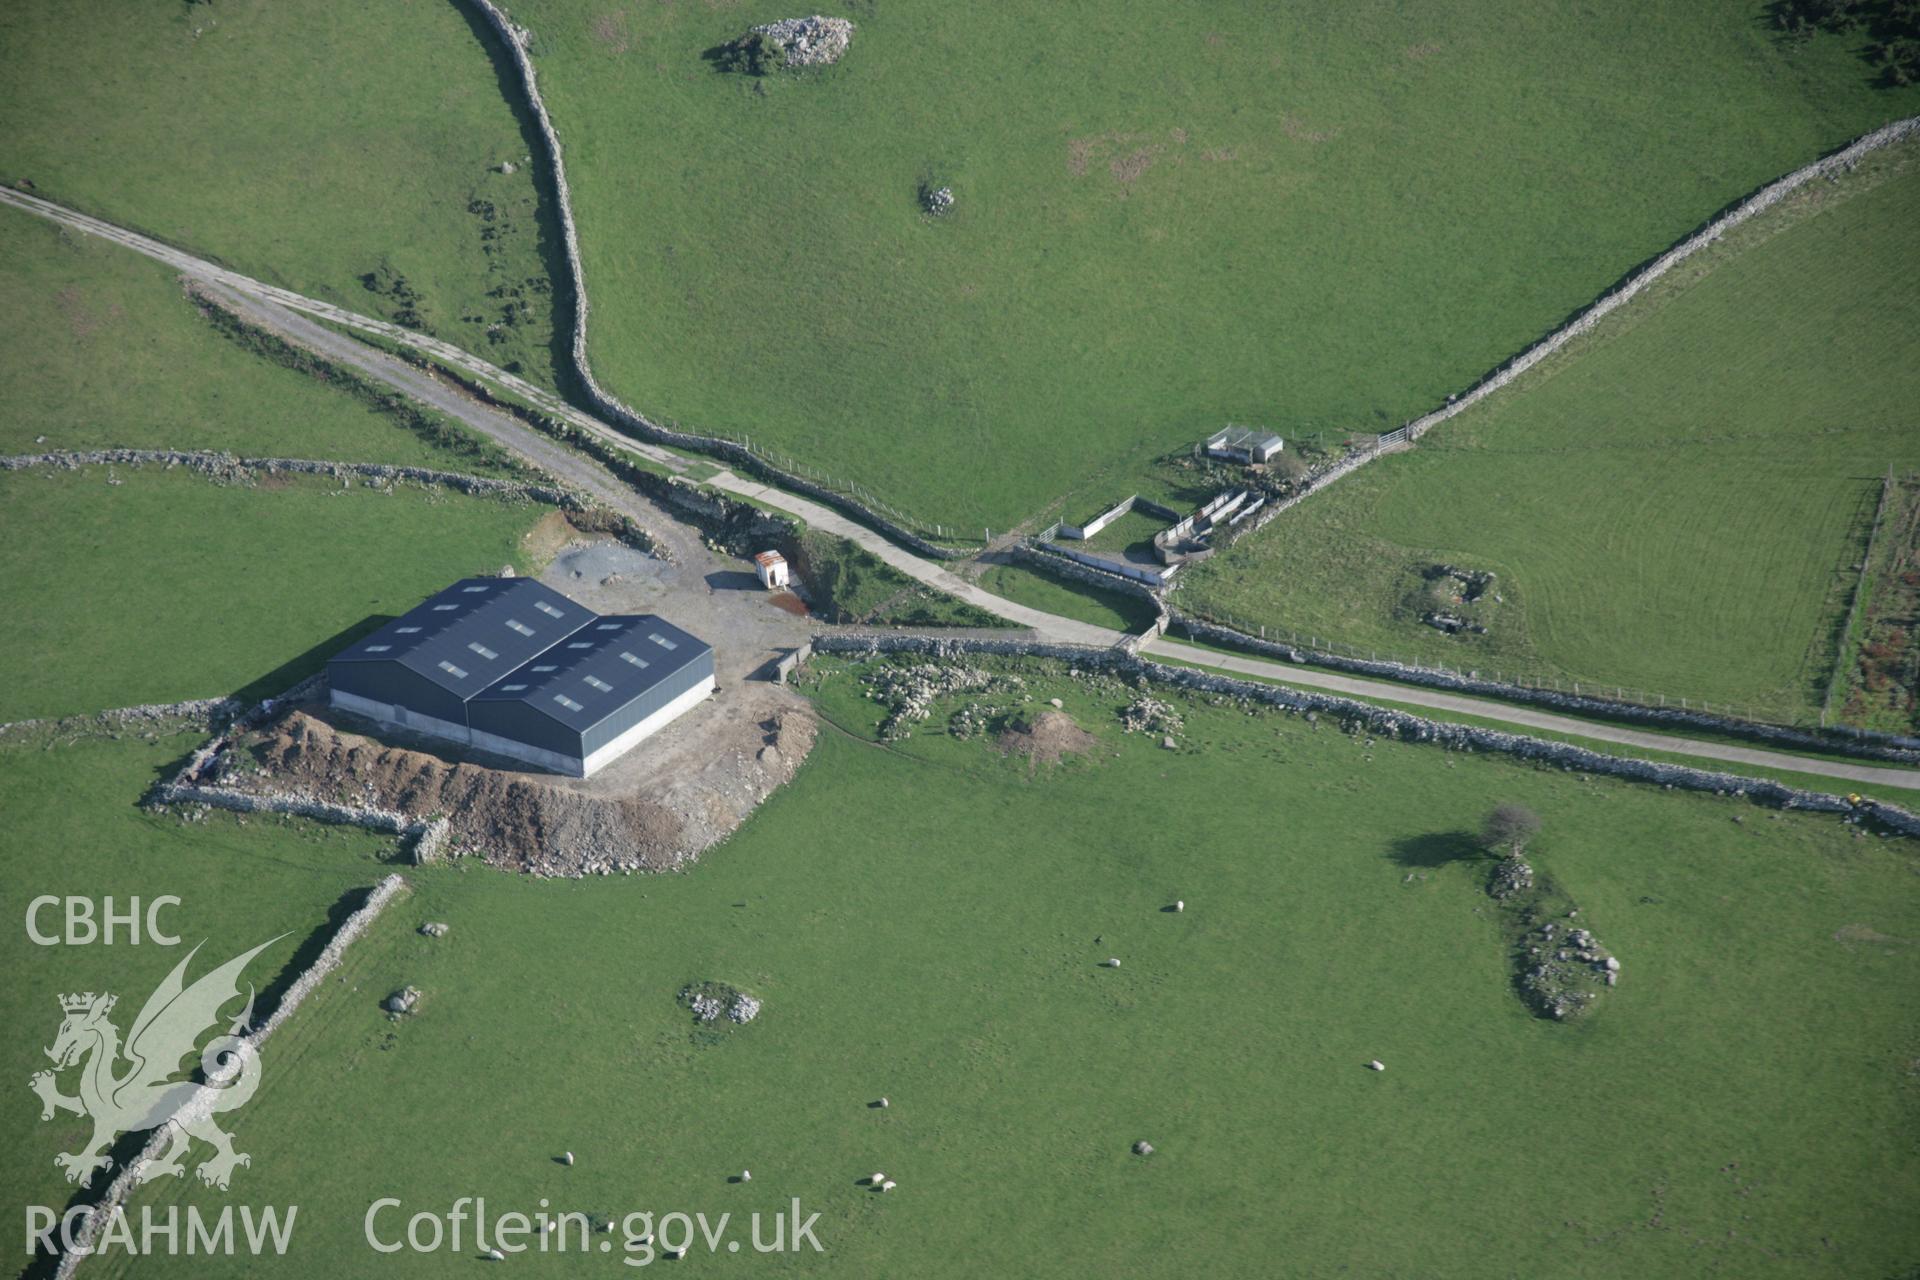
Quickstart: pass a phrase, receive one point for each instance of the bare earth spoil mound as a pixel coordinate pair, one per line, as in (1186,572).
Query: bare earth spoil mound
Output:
(1045,739)
(656,809)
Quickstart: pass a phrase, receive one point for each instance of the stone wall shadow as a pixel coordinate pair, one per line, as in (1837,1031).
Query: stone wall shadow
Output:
(550,240)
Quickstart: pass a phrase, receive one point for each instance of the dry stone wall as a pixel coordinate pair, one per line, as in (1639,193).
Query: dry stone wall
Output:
(115,1197)
(1898,750)
(1386,722)
(210,713)
(1757,203)
(227,466)
(518,40)
(1061,566)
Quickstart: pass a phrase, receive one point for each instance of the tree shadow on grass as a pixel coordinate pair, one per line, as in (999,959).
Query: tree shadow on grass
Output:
(1437,849)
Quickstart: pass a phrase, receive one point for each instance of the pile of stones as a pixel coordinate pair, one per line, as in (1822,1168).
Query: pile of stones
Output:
(712,1001)
(909,691)
(809,42)
(1565,963)
(403,1001)
(1147,714)
(936,200)
(1452,623)
(1512,875)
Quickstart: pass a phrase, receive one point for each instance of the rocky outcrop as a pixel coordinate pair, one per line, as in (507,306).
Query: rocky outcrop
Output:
(809,42)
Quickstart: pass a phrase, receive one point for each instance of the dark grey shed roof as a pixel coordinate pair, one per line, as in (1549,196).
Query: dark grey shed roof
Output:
(473,633)
(599,669)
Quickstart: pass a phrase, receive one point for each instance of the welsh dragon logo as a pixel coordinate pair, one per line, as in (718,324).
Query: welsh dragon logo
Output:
(147,1092)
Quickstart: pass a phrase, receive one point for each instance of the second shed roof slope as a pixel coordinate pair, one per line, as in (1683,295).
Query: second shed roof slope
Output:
(600,669)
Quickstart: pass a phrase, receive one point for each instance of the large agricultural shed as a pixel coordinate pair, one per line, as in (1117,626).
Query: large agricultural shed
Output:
(516,669)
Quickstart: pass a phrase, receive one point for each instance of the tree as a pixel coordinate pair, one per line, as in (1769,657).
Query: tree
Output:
(1508,828)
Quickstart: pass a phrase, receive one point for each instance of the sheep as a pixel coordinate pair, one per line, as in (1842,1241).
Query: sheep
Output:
(875,1179)
(1376,1065)
(888,1185)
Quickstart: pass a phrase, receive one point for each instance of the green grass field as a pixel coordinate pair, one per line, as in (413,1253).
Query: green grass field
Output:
(1129,536)
(1677,504)
(303,143)
(105,350)
(1068,598)
(1323,216)
(73,827)
(168,586)
(1737,1105)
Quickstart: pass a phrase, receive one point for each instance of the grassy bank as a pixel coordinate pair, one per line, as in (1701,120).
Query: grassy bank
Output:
(846,584)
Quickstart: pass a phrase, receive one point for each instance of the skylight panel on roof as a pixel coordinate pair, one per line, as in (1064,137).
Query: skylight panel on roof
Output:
(456,672)
(566,702)
(662,641)
(482,650)
(520,626)
(467,591)
(445,608)
(608,626)
(378,648)
(547,609)
(407,631)
(581,644)
(512,688)
(549,667)
(599,684)
(635,659)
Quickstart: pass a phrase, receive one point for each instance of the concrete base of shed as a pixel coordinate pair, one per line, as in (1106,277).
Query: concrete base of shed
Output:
(389,716)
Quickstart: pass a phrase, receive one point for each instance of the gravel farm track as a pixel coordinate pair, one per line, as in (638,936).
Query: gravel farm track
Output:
(291,315)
